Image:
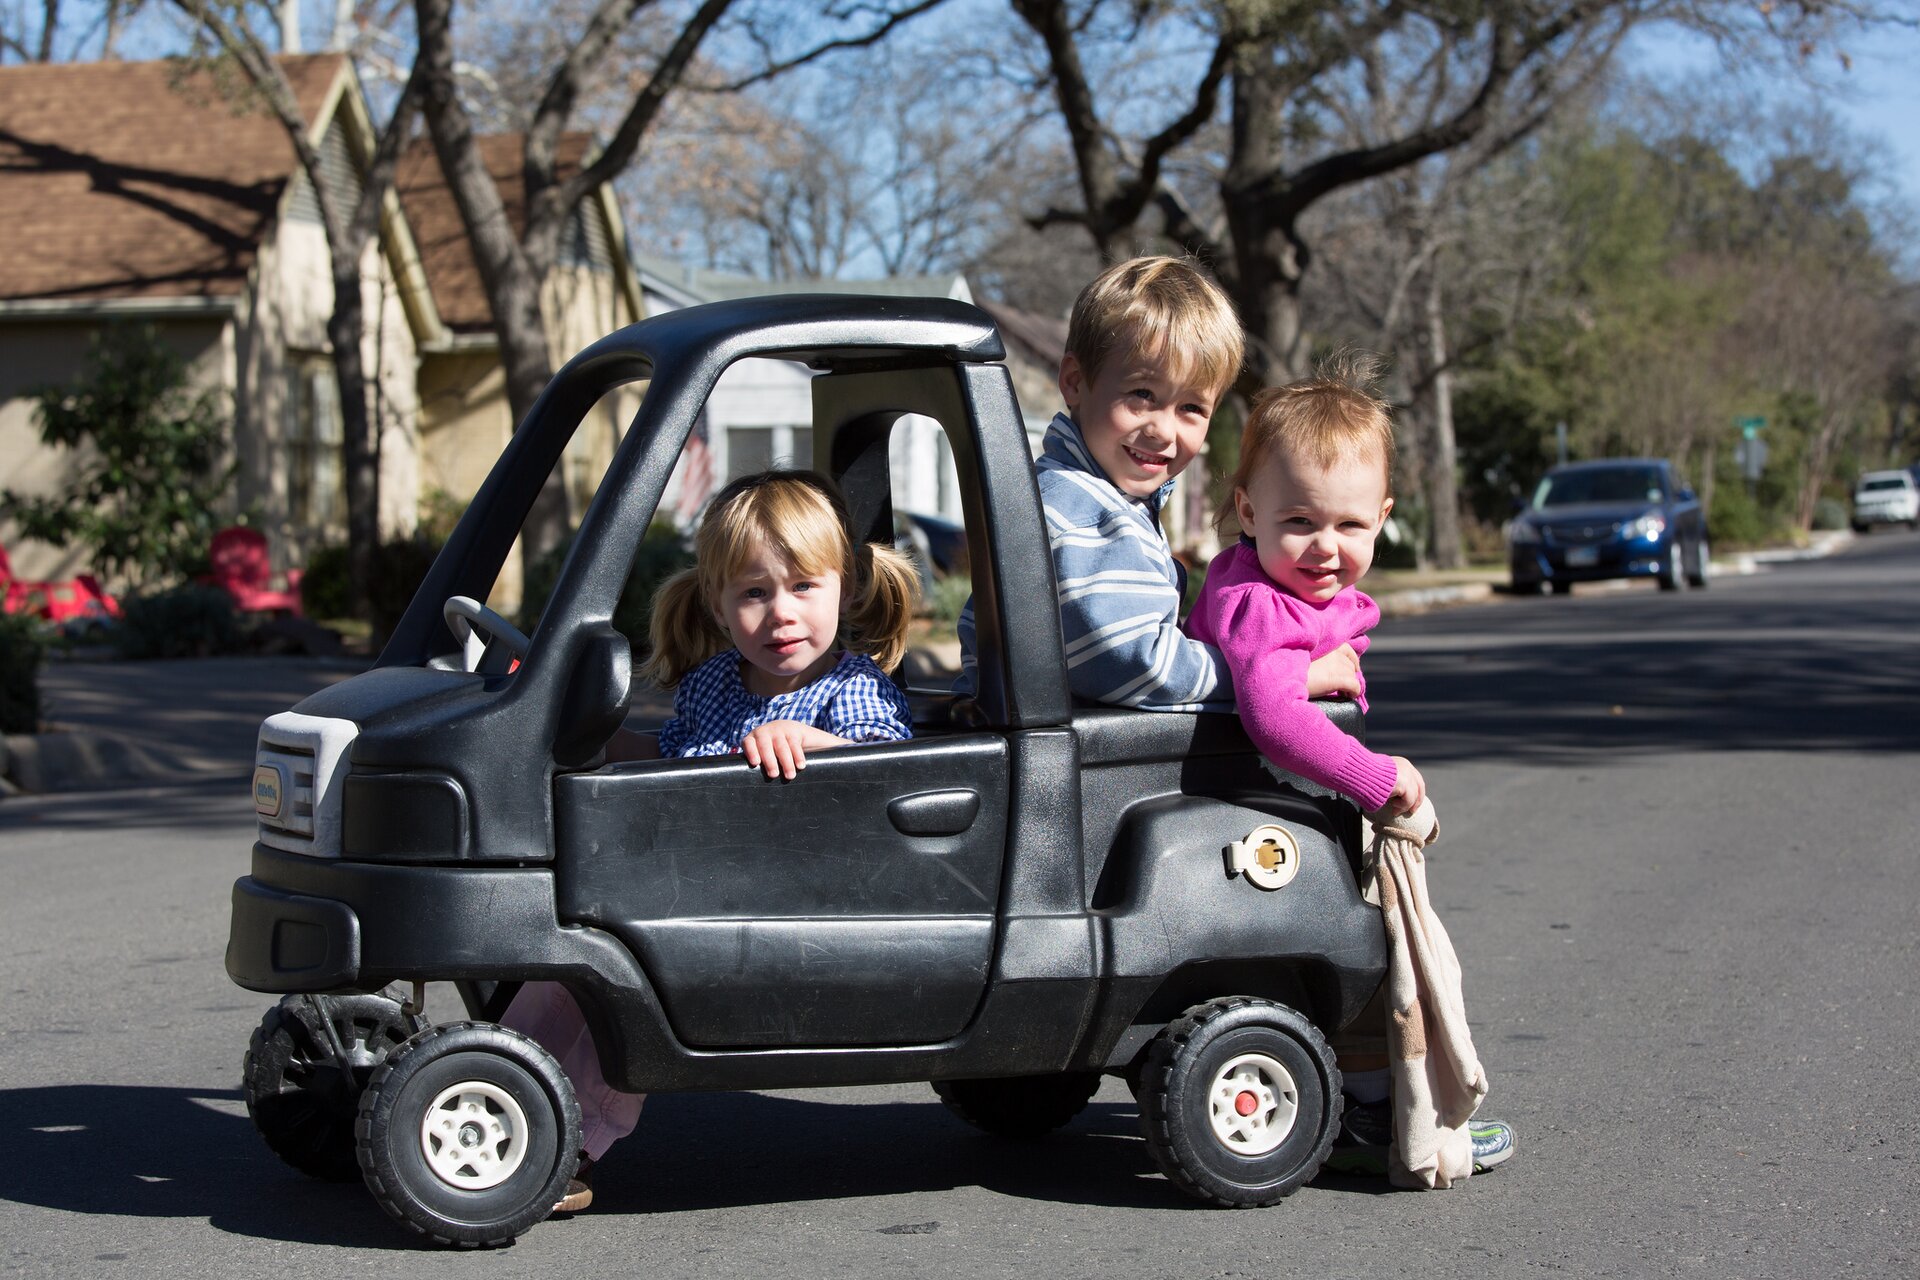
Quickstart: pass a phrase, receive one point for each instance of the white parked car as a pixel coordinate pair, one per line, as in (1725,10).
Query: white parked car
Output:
(1886,497)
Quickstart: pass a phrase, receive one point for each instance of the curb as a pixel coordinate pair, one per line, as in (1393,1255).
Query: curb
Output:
(1412,600)
(83,760)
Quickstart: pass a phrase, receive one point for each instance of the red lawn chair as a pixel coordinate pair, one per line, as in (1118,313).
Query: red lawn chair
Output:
(241,569)
(78,597)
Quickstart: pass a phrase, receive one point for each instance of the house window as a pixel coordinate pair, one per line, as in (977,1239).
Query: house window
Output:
(752,449)
(313,445)
(749,449)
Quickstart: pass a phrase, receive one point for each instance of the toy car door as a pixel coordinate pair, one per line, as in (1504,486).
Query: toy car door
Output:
(854,905)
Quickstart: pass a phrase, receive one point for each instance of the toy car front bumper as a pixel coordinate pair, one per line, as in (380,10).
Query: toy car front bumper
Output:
(282,942)
(311,924)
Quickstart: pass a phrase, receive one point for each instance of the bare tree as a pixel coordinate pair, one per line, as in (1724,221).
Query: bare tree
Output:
(890,165)
(1275,67)
(1826,340)
(352,222)
(514,267)
(62,30)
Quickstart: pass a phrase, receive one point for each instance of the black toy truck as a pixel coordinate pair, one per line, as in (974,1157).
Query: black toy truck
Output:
(1027,895)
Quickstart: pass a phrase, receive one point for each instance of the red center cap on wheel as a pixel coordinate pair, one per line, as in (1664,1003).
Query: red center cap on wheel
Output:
(1246,1103)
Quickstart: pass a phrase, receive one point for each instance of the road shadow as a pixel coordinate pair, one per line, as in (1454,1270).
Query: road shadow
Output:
(805,1150)
(219,806)
(141,1151)
(1828,664)
(154,1152)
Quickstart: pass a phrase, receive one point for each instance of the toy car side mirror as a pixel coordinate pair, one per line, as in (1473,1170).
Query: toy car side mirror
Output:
(1686,494)
(597,696)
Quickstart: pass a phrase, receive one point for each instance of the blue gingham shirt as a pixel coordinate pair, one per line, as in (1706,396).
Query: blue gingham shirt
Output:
(713,712)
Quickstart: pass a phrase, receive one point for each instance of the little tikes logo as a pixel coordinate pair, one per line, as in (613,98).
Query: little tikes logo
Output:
(268,787)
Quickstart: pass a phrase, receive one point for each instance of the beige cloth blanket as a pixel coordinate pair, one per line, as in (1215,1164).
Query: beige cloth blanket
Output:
(1437,1079)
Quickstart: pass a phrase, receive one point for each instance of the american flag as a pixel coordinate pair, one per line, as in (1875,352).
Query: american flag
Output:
(696,472)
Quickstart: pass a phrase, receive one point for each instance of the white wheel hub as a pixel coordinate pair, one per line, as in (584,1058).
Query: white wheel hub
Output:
(1253,1104)
(474,1136)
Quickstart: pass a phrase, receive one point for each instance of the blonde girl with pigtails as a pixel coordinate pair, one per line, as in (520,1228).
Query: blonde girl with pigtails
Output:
(776,642)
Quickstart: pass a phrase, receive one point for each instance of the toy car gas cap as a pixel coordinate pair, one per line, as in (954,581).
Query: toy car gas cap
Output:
(1269,857)
(269,790)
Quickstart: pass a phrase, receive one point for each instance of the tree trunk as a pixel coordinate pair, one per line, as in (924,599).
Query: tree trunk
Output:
(1443,463)
(513,287)
(346,328)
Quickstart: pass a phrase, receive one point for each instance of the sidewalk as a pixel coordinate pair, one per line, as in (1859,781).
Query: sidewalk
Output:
(117,724)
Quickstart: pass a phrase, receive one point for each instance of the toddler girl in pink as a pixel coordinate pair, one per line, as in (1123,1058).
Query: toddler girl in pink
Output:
(1311,495)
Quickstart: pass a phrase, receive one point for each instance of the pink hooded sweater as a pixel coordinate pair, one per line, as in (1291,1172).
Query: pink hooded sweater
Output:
(1268,638)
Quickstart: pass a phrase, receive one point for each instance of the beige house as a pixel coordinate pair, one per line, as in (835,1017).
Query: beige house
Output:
(134,191)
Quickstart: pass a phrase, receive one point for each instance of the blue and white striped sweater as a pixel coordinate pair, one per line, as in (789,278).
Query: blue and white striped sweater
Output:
(1118,591)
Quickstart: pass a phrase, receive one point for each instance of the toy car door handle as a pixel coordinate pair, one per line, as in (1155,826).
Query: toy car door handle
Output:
(935,813)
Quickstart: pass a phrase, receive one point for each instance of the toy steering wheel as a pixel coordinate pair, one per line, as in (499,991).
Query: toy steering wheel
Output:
(489,644)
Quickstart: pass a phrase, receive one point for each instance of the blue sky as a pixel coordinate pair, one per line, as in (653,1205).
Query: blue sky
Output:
(1878,97)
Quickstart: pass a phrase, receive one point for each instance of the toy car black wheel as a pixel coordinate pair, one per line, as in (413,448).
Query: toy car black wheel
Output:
(468,1134)
(1239,1101)
(303,1099)
(1020,1106)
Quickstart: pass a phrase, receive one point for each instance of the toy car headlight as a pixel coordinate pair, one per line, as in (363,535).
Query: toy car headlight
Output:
(406,817)
(1522,533)
(1649,526)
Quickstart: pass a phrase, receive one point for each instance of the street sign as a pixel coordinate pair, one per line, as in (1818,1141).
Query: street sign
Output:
(1751,456)
(1750,427)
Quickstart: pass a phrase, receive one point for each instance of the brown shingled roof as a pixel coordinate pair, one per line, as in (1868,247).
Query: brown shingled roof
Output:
(453,276)
(126,180)
(1042,339)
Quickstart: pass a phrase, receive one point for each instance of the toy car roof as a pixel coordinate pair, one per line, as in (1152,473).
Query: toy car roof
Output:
(822,330)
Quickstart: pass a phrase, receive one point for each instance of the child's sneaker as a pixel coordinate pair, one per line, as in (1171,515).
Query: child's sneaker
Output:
(1492,1143)
(1366,1134)
(579,1188)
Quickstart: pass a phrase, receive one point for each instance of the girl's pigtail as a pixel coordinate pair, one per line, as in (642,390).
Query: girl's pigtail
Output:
(685,633)
(882,612)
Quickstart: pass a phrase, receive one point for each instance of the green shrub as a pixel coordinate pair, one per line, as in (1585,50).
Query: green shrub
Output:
(662,553)
(398,568)
(949,596)
(21,652)
(187,622)
(141,451)
(1737,520)
(323,587)
(1829,513)
(1396,547)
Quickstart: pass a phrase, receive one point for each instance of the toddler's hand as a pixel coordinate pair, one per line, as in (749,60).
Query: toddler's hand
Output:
(778,747)
(1409,788)
(1335,673)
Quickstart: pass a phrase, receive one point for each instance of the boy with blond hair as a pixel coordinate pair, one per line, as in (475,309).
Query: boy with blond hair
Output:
(1153,345)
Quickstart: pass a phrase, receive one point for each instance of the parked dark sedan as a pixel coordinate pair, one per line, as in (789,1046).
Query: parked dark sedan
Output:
(1617,518)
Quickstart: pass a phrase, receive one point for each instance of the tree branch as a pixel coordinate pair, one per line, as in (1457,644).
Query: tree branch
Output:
(894,19)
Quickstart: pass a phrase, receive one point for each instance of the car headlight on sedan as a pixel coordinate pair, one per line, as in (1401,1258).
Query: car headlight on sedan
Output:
(1649,526)
(1522,533)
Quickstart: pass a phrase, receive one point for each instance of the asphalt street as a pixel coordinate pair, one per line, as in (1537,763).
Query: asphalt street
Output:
(1678,859)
